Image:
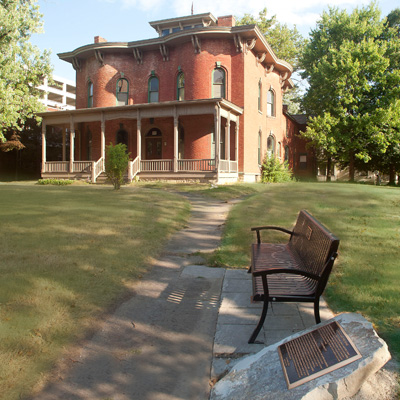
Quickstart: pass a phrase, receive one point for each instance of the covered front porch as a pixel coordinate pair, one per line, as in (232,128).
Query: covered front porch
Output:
(190,140)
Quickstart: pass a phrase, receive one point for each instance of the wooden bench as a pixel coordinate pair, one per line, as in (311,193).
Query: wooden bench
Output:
(296,271)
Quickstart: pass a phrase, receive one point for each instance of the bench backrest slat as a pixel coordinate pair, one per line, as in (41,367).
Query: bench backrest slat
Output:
(312,243)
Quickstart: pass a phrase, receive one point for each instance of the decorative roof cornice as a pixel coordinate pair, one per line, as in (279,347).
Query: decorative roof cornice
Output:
(246,38)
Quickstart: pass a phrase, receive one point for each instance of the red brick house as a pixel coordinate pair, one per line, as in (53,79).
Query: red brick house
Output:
(201,101)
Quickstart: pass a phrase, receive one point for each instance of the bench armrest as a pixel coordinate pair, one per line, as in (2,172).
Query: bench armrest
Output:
(276,228)
(293,271)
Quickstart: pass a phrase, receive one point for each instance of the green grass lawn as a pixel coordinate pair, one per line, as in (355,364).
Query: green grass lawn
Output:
(366,276)
(68,254)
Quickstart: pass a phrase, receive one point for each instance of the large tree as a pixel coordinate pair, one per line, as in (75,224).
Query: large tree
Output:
(286,42)
(354,86)
(22,65)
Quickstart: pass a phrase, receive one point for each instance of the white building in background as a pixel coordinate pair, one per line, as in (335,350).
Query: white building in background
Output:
(58,95)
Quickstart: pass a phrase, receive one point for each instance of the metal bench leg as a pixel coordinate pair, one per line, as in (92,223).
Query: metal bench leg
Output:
(260,323)
(316,311)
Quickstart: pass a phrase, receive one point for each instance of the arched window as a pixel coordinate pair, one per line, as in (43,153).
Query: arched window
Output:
(122,92)
(90,95)
(271,146)
(153,89)
(287,153)
(181,86)
(219,82)
(259,95)
(271,103)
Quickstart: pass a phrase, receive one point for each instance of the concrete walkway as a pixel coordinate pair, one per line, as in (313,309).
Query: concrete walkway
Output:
(185,324)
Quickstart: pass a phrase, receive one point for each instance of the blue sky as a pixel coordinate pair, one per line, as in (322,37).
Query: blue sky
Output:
(69,24)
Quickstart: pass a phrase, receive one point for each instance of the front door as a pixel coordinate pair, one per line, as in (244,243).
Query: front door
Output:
(153,144)
(153,148)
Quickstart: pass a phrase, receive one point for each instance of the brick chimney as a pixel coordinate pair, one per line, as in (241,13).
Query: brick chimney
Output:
(285,108)
(99,39)
(227,20)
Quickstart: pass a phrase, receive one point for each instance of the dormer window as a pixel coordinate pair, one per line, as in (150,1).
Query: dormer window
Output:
(166,27)
(168,31)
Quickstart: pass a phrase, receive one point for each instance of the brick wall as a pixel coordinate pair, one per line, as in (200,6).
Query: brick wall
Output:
(243,73)
(197,68)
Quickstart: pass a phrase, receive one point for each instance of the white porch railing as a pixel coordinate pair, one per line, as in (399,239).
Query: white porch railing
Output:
(82,166)
(228,166)
(133,168)
(97,168)
(233,166)
(56,166)
(92,168)
(196,165)
(156,165)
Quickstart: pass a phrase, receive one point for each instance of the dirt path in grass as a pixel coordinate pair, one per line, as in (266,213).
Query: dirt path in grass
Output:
(158,344)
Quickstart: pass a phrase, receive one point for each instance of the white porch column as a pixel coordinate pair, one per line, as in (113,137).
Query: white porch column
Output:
(176,153)
(217,127)
(43,146)
(237,142)
(139,136)
(103,137)
(64,145)
(71,146)
(228,140)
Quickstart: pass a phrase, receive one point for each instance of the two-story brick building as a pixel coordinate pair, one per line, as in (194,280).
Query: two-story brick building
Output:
(203,100)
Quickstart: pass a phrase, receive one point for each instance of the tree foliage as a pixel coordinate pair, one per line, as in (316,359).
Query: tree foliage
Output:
(286,42)
(117,160)
(354,86)
(273,171)
(22,65)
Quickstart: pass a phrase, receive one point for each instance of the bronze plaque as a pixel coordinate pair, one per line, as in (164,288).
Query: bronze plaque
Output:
(316,353)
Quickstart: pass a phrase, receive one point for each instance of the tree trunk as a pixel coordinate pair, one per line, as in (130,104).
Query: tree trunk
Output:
(16,165)
(392,174)
(329,169)
(351,167)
